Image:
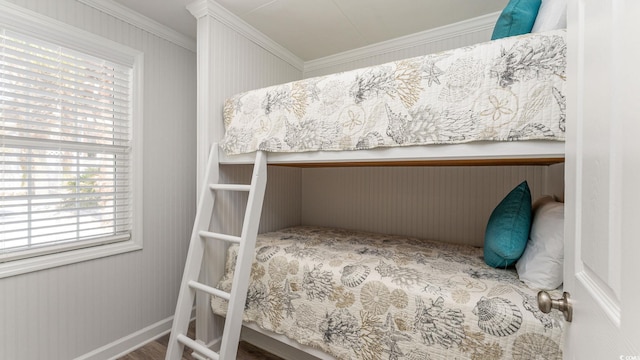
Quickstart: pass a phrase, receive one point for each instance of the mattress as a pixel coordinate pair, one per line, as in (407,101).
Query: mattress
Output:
(357,295)
(503,90)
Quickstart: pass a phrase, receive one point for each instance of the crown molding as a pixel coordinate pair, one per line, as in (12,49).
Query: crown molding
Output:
(15,17)
(485,22)
(211,8)
(138,20)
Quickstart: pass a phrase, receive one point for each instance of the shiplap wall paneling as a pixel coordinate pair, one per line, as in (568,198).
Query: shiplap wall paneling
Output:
(281,206)
(90,309)
(281,209)
(450,204)
(556,181)
(231,57)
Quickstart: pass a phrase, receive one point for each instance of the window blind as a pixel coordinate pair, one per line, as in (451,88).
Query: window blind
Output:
(65,130)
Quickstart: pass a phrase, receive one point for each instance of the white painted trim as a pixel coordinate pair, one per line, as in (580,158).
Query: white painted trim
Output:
(204,93)
(138,20)
(131,342)
(137,157)
(211,8)
(445,32)
(24,266)
(605,299)
(14,17)
(17,18)
(467,151)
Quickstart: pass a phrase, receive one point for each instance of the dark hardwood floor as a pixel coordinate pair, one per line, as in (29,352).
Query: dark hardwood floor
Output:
(157,349)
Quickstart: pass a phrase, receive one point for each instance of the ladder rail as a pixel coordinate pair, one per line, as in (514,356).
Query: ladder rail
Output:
(186,295)
(240,284)
(195,257)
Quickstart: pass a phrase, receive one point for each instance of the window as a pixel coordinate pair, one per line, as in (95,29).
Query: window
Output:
(67,150)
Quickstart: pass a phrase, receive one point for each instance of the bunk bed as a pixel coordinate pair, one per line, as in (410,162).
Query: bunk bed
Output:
(346,294)
(358,295)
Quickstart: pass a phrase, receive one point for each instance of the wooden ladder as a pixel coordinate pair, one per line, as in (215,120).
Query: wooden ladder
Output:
(247,240)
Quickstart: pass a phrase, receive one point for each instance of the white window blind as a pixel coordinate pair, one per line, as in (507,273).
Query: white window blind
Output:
(65,130)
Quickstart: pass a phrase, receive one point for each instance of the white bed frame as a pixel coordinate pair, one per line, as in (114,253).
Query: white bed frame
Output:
(500,153)
(218,29)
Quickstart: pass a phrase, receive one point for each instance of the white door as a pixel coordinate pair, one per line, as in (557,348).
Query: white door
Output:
(602,254)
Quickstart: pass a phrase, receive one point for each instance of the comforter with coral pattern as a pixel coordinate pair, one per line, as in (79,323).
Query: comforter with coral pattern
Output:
(359,295)
(502,90)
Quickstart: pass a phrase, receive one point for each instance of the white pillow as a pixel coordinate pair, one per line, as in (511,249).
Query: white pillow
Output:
(543,200)
(540,266)
(551,16)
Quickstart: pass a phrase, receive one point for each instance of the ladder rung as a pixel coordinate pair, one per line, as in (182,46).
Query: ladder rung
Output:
(210,290)
(213,235)
(230,187)
(198,347)
(197,356)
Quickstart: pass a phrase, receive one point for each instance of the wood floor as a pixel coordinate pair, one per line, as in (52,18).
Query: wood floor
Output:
(157,349)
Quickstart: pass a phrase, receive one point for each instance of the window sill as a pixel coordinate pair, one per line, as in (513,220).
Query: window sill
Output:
(23,266)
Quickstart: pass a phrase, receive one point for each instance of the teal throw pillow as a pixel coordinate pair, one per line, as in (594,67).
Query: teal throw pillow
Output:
(517,18)
(508,228)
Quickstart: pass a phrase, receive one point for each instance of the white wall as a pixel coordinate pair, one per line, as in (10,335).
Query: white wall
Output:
(232,57)
(69,311)
(281,202)
(445,203)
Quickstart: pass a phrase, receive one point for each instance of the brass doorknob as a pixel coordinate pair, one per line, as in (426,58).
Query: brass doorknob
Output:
(546,303)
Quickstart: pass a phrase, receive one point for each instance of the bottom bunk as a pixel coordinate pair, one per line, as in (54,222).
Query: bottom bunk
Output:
(358,295)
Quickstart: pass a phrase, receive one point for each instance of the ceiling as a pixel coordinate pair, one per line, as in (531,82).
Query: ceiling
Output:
(313,29)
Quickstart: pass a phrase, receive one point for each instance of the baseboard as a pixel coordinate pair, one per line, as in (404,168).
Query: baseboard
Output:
(131,342)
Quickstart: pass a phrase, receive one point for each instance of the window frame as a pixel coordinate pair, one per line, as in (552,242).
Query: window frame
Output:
(39,26)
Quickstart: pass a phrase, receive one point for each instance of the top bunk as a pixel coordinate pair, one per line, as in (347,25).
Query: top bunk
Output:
(500,102)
